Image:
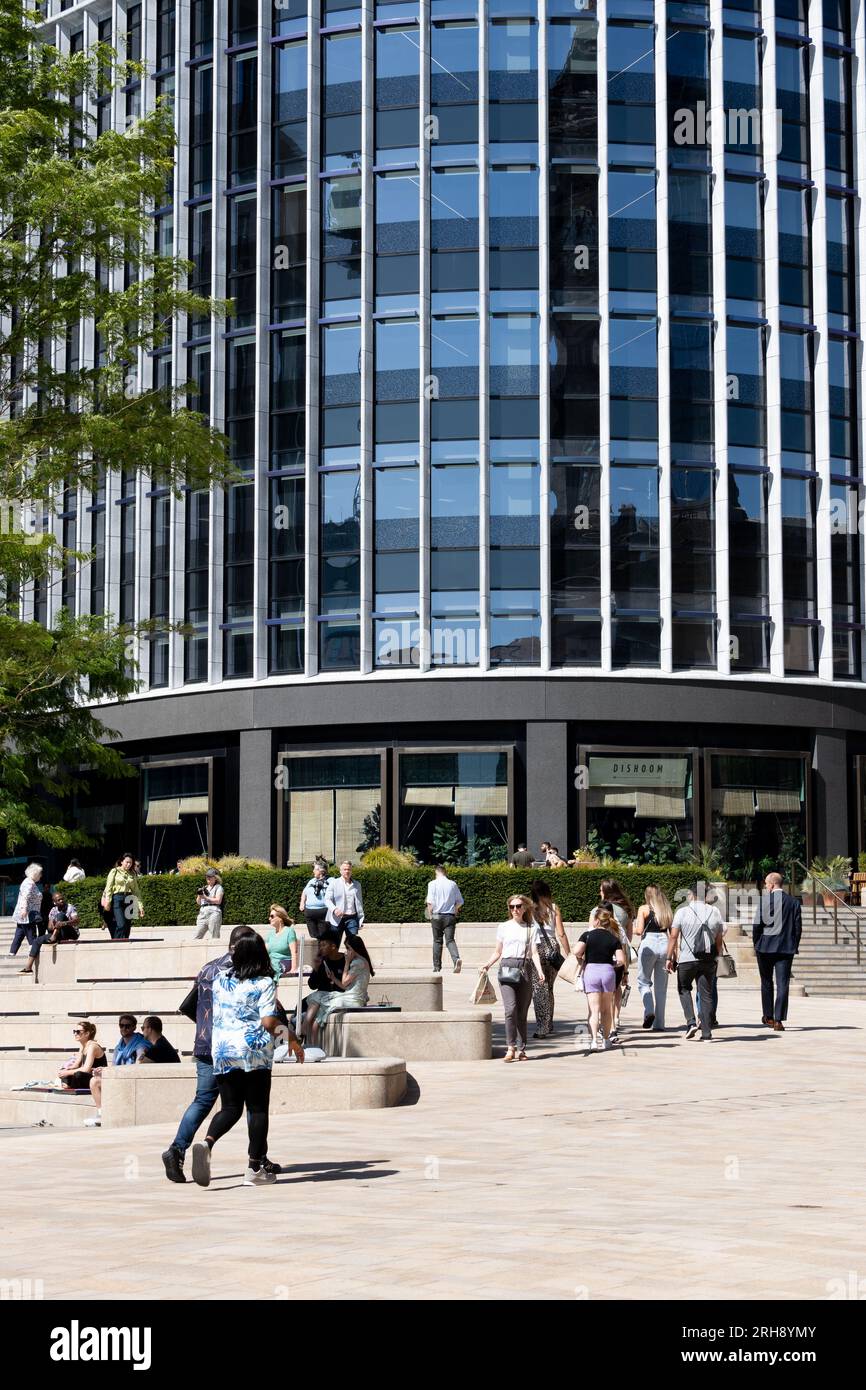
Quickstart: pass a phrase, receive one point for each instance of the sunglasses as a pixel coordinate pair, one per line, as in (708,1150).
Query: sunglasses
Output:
(78,1030)
(515,907)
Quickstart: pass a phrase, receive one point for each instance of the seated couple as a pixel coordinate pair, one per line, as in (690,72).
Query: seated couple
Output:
(338,981)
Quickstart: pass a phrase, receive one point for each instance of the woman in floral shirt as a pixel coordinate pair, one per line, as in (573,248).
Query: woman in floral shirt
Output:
(245,1020)
(28,909)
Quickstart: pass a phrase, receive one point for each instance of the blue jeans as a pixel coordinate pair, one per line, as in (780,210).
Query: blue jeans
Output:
(197,1112)
(121,904)
(349,925)
(25,933)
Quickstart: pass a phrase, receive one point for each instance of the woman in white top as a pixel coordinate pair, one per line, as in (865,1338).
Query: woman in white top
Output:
(74,873)
(549,935)
(28,909)
(518,956)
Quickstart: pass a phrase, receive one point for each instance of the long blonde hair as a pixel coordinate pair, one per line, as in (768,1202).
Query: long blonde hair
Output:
(603,919)
(528,908)
(659,904)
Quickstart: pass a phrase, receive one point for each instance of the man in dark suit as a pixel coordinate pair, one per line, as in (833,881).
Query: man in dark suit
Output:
(776,933)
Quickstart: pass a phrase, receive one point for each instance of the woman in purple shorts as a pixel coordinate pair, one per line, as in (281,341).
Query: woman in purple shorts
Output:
(600,951)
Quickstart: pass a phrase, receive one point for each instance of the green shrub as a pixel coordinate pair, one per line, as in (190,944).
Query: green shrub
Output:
(390,895)
(384,857)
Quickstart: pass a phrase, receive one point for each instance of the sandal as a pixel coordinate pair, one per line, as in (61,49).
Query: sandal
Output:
(509,1055)
(522,1057)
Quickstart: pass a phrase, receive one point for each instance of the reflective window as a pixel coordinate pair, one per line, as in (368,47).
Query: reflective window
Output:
(397,370)
(744,240)
(454,355)
(572,79)
(573,236)
(242,118)
(793,100)
(630,88)
(689,241)
(514,355)
(747,422)
(454,806)
(289,251)
(454,208)
(290,110)
(633,378)
(794,231)
(691,376)
(632,232)
(634,538)
(341,353)
(797,399)
(574,408)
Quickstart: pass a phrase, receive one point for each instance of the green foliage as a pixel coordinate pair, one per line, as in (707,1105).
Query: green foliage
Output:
(371,831)
(861,862)
(832,872)
(389,895)
(628,846)
(384,857)
(447,845)
(597,845)
(661,845)
(67,201)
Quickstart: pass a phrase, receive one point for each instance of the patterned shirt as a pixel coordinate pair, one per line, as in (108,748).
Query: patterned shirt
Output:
(29,900)
(239,1042)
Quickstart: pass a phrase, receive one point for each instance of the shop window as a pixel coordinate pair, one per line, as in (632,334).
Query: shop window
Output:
(331,806)
(453,807)
(639,805)
(758,811)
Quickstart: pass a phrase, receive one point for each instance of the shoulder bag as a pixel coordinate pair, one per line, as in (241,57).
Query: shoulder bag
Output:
(555,957)
(512,969)
(726,966)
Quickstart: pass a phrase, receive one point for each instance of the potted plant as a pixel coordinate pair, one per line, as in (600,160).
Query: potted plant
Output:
(831,875)
(859,879)
(585,858)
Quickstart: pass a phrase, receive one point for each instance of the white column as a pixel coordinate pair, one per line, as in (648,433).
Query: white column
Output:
(604,345)
(424,342)
(544,173)
(821,351)
(720,347)
(663,341)
(314,222)
(773,381)
(219,215)
(368,238)
(263,511)
(483,344)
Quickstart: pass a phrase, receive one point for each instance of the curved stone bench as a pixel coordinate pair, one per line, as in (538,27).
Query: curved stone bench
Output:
(460,1035)
(160,1094)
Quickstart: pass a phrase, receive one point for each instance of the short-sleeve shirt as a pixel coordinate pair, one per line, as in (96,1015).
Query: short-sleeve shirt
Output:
(279,944)
(515,939)
(239,1042)
(601,946)
(698,925)
(162,1051)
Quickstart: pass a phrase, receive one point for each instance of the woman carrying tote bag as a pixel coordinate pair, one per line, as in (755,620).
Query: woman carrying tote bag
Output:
(518,956)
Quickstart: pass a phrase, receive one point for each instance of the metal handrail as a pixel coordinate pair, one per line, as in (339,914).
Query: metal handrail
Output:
(826,888)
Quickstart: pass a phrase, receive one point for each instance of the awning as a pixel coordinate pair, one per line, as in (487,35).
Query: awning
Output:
(428,796)
(606,800)
(779,801)
(734,801)
(481,801)
(659,806)
(164,811)
(194,806)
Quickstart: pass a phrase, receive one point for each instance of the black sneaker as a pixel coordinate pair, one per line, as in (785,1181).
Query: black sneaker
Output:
(691,1030)
(714,1022)
(271,1167)
(649,1020)
(201,1164)
(173,1161)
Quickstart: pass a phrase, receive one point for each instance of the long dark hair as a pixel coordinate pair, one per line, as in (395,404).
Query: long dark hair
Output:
(611,892)
(360,947)
(250,959)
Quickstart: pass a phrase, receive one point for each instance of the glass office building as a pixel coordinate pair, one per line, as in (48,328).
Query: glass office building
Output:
(543,379)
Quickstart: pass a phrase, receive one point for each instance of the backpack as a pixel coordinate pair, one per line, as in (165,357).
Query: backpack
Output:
(703,935)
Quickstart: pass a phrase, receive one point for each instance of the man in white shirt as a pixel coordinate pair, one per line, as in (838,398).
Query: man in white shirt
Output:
(695,941)
(344,902)
(444,901)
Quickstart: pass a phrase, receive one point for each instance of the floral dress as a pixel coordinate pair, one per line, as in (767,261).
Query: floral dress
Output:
(239,1042)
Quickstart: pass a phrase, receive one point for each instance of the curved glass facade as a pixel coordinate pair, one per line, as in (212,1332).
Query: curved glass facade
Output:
(543,349)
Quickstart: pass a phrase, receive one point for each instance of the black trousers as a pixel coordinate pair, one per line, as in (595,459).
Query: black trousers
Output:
(775,972)
(236,1090)
(702,973)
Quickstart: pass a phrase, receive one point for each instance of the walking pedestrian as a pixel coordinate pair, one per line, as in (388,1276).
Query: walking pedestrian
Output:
(444,901)
(345,901)
(651,929)
(612,895)
(210,898)
(120,897)
(245,1019)
(776,934)
(517,955)
(27,915)
(551,941)
(312,903)
(695,940)
(600,949)
(206,1092)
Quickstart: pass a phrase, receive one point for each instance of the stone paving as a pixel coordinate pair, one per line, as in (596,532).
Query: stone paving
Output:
(667,1168)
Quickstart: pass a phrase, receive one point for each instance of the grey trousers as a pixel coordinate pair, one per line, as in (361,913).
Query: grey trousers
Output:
(444,925)
(516,1000)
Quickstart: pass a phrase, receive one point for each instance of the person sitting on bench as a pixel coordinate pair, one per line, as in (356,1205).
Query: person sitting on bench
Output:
(352,992)
(159,1049)
(62,926)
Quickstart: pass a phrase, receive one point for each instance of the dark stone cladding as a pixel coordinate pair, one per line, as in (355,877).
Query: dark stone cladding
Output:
(336,705)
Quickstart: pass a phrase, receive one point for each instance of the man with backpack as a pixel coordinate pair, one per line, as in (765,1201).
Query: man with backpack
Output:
(695,941)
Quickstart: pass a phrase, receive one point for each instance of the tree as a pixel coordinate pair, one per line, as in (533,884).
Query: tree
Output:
(74,224)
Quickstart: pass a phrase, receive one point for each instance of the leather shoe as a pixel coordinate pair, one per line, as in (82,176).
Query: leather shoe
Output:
(778,1027)
(768,1022)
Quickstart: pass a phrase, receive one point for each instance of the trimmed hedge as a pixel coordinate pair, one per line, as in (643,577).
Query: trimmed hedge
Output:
(389,895)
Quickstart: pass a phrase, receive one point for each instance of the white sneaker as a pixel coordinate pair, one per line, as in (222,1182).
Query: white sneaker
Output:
(458,966)
(608,1045)
(95,1123)
(260,1178)
(599,1044)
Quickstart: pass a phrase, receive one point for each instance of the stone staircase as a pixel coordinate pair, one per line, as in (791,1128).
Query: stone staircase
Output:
(827,960)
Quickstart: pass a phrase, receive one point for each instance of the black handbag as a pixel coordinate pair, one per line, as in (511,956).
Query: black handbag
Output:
(556,959)
(512,969)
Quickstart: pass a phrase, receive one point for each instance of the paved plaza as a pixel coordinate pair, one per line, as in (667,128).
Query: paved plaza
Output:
(664,1168)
